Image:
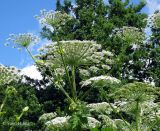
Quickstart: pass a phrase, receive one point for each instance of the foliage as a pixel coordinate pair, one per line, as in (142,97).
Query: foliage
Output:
(17,95)
(99,18)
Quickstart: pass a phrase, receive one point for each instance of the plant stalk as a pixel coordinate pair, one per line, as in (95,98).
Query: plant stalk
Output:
(61,88)
(138,119)
(74,93)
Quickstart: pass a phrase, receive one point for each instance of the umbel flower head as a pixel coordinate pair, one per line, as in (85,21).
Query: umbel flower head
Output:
(23,40)
(62,123)
(136,91)
(8,75)
(100,81)
(130,34)
(53,19)
(74,52)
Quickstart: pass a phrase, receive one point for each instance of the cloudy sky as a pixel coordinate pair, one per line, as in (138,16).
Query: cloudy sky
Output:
(17,16)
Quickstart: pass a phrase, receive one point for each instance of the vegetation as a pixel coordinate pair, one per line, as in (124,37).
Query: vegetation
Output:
(100,71)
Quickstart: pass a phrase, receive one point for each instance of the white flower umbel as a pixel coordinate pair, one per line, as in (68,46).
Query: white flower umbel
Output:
(103,107)
(53,19)
(100,78)
(62,122)
(74,52)
(106,120)
(8,75)
(58,122)
(92,122)
(23,40)
(47,116)
(130,35)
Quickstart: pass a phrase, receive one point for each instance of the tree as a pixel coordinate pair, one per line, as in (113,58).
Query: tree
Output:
(99,19)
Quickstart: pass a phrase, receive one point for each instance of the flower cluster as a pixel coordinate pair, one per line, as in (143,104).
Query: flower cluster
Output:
(46,117)
(96,80)
(103,107)
(129,95)
(57,123)
(73,52)
(130,35)
(92,122)
(88,55)
(136,91)
(63,123)
(8,75)
(22,40)
(53,19)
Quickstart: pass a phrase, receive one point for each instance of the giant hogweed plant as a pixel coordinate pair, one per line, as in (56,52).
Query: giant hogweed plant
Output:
(63,59)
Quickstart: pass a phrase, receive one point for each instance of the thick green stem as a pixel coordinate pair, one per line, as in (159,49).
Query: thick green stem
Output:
(74,93)
(61,88)
(66,94)
(64,64)
(138,119)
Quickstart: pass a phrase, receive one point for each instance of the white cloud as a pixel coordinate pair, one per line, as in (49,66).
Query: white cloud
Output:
(152,6)
(32,72)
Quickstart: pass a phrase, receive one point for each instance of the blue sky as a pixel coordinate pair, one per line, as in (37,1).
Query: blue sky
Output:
(17,16)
